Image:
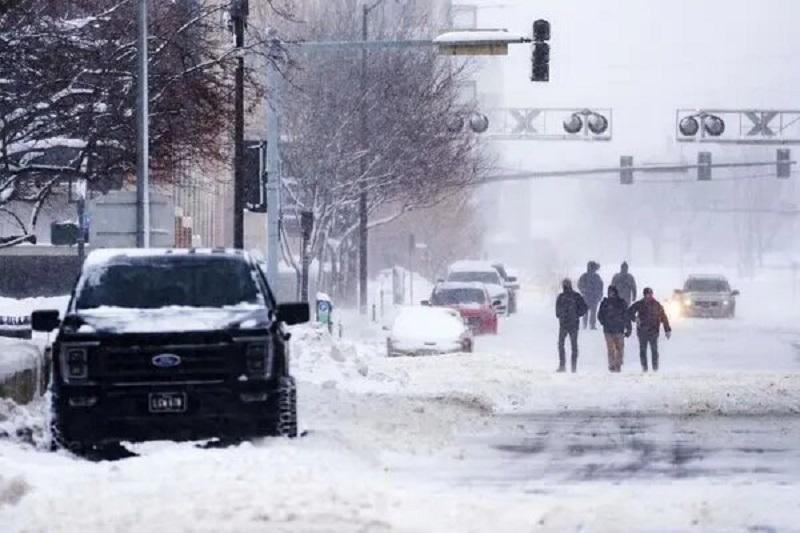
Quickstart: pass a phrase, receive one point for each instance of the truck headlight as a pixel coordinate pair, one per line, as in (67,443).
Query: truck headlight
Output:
(74,363)
(258,358)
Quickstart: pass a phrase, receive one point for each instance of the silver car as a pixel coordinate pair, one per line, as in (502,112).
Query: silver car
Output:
(708,297)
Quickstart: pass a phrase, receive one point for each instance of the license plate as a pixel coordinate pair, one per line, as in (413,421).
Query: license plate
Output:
(167,402)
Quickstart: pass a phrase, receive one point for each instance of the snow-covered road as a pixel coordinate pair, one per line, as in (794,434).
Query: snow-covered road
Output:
(493,441)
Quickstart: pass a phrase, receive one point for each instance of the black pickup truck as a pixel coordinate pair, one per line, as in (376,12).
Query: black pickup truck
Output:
(170,344)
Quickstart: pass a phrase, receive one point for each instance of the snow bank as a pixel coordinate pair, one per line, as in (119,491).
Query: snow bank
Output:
(16,356)
(513,385)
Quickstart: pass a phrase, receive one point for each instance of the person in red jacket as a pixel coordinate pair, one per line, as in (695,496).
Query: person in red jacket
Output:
(649,315)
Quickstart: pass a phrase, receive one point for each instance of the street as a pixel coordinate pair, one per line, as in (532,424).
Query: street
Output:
(464,441)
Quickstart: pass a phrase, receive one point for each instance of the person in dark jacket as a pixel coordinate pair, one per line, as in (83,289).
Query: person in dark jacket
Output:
(590,285)
(613,315)
(570,307)
(625,284)
(649,315)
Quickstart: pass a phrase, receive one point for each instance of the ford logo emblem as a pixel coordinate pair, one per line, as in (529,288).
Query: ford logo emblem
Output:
(166,360)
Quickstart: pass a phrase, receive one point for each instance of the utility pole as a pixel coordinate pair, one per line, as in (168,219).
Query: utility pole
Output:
(142,133)
(273,103)
(363,230)
(239,11)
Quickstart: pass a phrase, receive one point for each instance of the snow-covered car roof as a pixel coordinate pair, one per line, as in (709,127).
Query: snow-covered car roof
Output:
(427,323)
(472,266)
(454,285)
(715,277)
(111,255)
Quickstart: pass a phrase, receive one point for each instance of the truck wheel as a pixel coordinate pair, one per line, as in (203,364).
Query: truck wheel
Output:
(111,451)
(57,441)
(287,409)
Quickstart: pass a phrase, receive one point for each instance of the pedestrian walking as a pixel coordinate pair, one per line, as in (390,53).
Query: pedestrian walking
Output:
(625,284)
(613,316)
(590,285)
(649,316)
(570,307)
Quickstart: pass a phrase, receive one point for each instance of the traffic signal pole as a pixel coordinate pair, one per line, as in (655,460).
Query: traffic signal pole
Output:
(273,103)
(239,16)
(142,132)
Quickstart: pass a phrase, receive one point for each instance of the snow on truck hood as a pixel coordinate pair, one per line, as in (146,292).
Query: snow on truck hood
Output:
(172,319)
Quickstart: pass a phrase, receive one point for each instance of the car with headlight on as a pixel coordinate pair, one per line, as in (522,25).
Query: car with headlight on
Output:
(483,272)
(707,296)
(424,330)
(170,345)
(472,301)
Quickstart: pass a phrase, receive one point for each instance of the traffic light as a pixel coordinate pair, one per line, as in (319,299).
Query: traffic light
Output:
(541,51)
(541,31)
(626,172)
(254,175)
(784,163)
(704,166)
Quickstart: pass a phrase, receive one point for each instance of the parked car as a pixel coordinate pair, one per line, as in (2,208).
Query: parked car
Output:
(511,283)
(421,330)
(472,301)
(170,344)
(481,272)
(707,296)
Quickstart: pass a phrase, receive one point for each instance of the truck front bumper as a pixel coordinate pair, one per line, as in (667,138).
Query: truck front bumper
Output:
(96,415)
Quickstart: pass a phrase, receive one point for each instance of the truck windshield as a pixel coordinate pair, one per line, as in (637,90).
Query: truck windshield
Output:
(458,296)
(489,278)
(707,285)
(153,284)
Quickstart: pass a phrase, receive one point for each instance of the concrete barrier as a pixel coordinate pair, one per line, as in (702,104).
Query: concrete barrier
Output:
(23,370)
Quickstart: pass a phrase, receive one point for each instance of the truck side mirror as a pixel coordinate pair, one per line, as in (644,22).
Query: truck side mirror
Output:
(293,313)
(44,321)
(735,293)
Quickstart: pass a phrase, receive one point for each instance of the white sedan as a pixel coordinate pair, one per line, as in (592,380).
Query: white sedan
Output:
(428,331)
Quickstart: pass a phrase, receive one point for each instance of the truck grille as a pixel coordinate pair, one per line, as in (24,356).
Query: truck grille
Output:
(196,364)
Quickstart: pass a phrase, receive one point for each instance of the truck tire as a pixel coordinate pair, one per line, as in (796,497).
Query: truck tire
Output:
(287,410)
(111,451)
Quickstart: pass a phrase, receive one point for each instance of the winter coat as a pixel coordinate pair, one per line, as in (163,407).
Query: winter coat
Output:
(648,317)
(570,307)
(614,316)
(590,286)
(626,286)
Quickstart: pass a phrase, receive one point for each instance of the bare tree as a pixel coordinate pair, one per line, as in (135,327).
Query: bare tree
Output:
(407,159)
(67,93)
